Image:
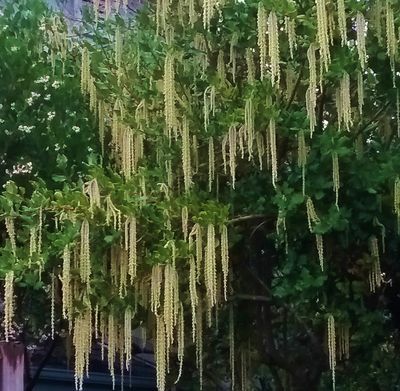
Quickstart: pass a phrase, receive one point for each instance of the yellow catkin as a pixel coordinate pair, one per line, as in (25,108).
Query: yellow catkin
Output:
(232,136)
(66,284)
(101,115)
(273,47)
(233,55)
(193,294)
(262,37)
(32,243)
(290,28)
(274,158)
(342,21)
(360,92)
(131,246)
(391,39)
(332,347)
(123,271)
(10,227)
(160,353)
(210,275)
(84,265)
(169,92)
(336,177)
(312,216)
(128,337)
(186,159)
(250,66)
(320,249)
(361,27)
(249,125)
(211,163)
(169,303)
(311,94)
(192,13)
(224,257)
(8,304)
(112,213)
(323,34)
(181,341)
(91,189)
(302,158)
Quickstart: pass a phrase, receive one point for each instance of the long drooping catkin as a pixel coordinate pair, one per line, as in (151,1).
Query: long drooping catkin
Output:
(131,246)
(210,275)
(211,163)
(323,35)
(8,303)
(66,284)
(169,92)
(391,39)
(342,21)
(224,257)
(336,177)
(290,28)
(262,37)
(10,227)
(361,33)
(273,47)
(311,94)
(249,125)
(274,158)
(84,265)
(332,347)
(186,160)
(160,353)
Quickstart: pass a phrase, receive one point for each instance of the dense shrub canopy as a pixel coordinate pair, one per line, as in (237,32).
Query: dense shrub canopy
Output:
(225,174)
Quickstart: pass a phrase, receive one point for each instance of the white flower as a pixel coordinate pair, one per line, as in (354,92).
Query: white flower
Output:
(34,94)
(51,115)
(56,84)
(29,101)
(43,79)
(25,128)
(1,106)
(56,147)
(14,48)
(76,129)
(2,121)
(47,97)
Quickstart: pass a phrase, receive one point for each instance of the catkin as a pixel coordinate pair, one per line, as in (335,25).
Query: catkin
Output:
(249,125)
(262,37)
(290,28)
(311,94)
(186,160)
(193,294)
(169,92)
(10,227)
(391,39)
(91,189)
(332,347)
(335,177)
(8,304)
(320,249)
(66,284)
(250,66)
(181,341)
(323,34)
(232,136)
(302,158)
(342,21)
(224,257)
(160,353)
(127,337)
(85,70)
(233,55)
(312,216)
(84,265)
(361,27)
(274,159)
(360,92)
(210,275)
(273,47)
(155,292)
(211,163)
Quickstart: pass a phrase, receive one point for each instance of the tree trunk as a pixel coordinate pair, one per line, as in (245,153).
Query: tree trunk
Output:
(11,366)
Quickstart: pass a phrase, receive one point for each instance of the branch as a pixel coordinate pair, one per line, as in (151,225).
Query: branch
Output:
(296,86)
(242,296)
(240,219)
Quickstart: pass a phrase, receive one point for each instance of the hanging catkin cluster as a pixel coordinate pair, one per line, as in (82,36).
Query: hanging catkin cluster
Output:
(335,177)
(391,39)
(274,158)
(249,125)
(91,189)
(186,159)
(344,103)
(343,338)
(10,227)
(131,245)
(290,28)
(85,70)
(85,265)
(210,268)
(209,7)
(323,34)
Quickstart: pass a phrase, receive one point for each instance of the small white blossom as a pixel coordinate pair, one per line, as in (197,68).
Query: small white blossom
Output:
(2,121)
(47,97)
(56,147)
(76,129)
(56,84)
(14,48)
(43,79)
(51,115)
(29,101)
